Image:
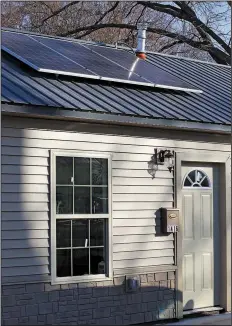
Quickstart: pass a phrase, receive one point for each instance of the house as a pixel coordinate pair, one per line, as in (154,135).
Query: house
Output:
(85,185)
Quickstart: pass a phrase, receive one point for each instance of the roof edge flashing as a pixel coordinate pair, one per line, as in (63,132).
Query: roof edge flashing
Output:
(92,117)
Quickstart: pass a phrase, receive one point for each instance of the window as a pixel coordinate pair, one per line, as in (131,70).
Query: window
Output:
(196,178)
(81,220)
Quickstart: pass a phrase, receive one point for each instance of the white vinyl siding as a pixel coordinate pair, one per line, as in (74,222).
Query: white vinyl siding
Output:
(26,145)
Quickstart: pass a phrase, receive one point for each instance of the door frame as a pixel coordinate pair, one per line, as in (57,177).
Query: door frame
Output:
(225,212)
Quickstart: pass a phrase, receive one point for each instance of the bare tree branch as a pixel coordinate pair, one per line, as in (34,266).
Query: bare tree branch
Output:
(168,9)
(203,29)
(57,12)
(46,5)
(131,9)
(189,15)
(168,46)
(163,32)
(107,12)
(141,14)
(217,54)
(207,38)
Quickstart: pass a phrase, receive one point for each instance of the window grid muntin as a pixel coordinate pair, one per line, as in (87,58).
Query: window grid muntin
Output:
(76,216)
(89,242)
(73,189)
(91,190)
(108,226)
(85,216)
(94,247)
(89,186)
(89,247)
(71,229)
(100,186)
(205,176)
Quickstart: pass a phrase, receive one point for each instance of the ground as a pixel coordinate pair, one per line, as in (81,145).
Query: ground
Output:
(219,319)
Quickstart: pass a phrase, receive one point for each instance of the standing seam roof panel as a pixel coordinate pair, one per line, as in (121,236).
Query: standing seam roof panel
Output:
(25,86)
(194,77)
(215,101)
(104,99)
(177,70)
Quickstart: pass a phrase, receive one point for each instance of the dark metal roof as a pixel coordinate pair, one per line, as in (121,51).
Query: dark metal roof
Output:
(21,85)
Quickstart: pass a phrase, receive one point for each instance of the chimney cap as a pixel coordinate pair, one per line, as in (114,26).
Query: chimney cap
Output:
(141,55)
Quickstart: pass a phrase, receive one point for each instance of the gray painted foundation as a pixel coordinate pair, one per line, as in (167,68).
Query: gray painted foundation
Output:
(110,303)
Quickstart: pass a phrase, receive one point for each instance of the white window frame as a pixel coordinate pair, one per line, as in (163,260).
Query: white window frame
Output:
(54,217)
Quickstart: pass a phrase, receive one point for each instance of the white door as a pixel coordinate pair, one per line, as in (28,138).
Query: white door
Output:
(198,237)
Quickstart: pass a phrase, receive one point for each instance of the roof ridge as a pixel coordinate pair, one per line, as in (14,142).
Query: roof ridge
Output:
(50,36)
(112,45)
(189,59)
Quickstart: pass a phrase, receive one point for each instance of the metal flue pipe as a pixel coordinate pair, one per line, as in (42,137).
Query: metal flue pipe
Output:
(141,41)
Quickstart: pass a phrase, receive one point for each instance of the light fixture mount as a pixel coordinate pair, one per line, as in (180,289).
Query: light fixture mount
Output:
(162,157)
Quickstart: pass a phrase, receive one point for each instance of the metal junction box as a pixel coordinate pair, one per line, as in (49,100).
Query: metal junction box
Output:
(170,220)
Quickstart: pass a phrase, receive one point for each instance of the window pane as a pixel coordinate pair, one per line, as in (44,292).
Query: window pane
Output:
(64,170)
(80,233)
(99,171)
(81,171)
(192,175)
(205,183)
(97,261)
(64,200)
(196,185)
(200,176)
(80,262)
(100,200)
(63,233)
(96,232)
(82,200)
(63,262)
(187,183)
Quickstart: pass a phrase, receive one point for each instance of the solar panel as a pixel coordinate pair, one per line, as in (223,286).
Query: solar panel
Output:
(40,57)
(62,56)
(65,57)
(143,68)
(96,63)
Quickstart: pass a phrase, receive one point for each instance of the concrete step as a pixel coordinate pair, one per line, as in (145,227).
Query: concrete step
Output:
(202,311)
(219,319)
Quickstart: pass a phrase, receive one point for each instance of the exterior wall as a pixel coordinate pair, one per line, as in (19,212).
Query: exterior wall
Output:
(139,248)
(101,303)
(25,201)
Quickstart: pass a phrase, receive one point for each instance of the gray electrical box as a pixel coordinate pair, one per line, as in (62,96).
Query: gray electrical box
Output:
(132,283)
(170,220)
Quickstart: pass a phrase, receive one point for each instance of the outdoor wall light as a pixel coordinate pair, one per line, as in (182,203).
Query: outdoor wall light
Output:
(153,164)
(162,157)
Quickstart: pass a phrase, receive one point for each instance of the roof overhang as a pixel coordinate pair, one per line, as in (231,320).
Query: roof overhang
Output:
(104,118)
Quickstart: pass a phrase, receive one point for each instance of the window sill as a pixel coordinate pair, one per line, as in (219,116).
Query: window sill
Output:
(81,279)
